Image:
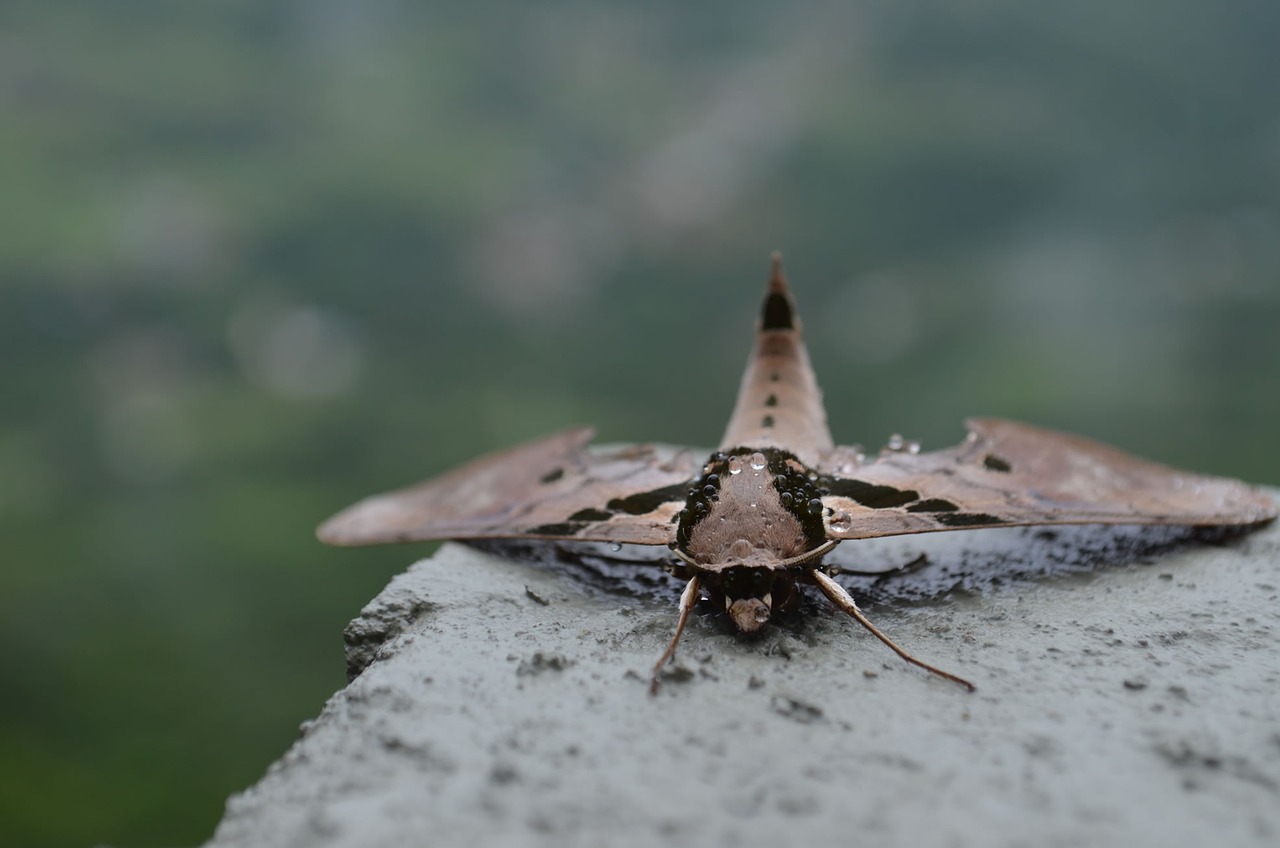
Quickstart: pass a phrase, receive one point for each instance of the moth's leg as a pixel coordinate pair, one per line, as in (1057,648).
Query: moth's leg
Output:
(838,596)
(687,601)
(897,571)
(678,570)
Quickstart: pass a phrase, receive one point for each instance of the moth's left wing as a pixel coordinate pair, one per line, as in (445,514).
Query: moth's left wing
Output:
(554,488)
(1007,474)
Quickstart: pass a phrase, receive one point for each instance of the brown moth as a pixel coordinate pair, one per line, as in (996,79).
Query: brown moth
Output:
(751,522)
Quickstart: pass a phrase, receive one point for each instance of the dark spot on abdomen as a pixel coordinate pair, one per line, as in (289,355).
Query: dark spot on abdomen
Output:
(776,314)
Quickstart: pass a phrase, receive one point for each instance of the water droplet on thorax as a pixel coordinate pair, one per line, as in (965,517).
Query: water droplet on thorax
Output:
(758,461)
(735,466)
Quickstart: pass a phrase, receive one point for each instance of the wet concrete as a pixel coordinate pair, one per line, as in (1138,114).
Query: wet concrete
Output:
(1128,694)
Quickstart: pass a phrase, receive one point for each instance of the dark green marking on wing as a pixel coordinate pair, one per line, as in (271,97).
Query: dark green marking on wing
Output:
(871,495)
(643,503)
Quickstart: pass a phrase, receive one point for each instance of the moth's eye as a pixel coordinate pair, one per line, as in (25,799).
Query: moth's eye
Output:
(758,581)
(746,583)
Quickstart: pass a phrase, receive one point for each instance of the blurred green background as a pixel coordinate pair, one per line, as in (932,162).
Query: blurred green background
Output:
(261,258)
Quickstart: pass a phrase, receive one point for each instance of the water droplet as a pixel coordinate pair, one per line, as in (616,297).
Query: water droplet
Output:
(786,498)
(815,507)
(740,549)
(860,457)
(709,490)
(713,479)
(758,461)
(841,522)
(735,466)
(896,442)
(913,447)
(615,547)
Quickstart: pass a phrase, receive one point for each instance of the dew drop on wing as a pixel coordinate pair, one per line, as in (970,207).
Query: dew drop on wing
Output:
(615,546)
(841,521)
(896,442)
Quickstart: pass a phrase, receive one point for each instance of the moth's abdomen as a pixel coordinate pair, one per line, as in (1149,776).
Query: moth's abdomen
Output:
(779,403)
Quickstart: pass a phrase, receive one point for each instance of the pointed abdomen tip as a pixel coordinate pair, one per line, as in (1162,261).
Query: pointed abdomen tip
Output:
(778,309)
(776,277)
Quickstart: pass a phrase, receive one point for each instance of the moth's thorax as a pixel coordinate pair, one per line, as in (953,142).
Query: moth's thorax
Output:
(750,508)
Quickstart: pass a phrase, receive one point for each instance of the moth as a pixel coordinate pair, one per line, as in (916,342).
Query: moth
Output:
(748,525)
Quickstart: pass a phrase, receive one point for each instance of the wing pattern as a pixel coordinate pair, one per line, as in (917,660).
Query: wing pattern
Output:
(1006,473)
(553,488)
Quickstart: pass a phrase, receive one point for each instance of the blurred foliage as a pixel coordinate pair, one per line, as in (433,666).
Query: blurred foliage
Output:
(260,258)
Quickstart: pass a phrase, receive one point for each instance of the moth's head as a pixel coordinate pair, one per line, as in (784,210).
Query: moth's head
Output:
(748,596)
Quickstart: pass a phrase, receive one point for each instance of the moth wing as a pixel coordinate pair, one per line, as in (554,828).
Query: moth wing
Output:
(1006,474)
(553,488)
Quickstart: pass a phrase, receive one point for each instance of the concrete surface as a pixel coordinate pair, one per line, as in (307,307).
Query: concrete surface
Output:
(502,701)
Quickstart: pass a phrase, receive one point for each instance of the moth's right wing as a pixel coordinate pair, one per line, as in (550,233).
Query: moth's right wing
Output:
(553,488)
(1006,474)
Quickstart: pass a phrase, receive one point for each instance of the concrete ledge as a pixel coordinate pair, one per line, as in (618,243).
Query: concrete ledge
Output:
(500,702)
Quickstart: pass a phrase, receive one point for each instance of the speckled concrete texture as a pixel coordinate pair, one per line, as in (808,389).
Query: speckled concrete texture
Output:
(502,702)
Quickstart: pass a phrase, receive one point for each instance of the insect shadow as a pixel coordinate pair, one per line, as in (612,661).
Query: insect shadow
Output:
(913,570)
